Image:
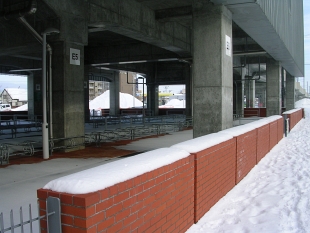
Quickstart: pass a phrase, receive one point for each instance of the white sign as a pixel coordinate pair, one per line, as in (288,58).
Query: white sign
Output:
(75,58)
(228,46)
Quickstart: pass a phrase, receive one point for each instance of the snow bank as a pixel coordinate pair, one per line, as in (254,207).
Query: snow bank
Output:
(202,143)
(21,108)
(103,101)
(174,103)
(242,129)
(274,196)
(304,103)
(107,175)
(291,111)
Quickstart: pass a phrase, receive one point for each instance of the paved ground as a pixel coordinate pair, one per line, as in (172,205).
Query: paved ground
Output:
(24,175)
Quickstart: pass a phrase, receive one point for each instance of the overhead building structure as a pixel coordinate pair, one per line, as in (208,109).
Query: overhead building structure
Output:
(221,50)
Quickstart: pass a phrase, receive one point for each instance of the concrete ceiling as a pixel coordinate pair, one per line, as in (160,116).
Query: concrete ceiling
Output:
(20,49)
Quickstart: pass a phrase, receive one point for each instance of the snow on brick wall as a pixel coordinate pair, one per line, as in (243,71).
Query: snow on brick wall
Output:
(161,200)
(166,197)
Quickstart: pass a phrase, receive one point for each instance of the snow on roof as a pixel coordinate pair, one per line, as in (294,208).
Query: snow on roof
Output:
(17,93)
(106,175)
(21,108)
(125,101)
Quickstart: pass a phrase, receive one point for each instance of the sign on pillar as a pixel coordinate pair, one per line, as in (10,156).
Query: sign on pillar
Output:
(228,46)
(75,57)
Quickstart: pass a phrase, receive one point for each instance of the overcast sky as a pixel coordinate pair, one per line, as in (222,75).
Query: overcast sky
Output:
(12,81)
(307,40)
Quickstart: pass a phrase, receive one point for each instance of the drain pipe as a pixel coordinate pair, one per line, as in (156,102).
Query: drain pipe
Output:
(23,21)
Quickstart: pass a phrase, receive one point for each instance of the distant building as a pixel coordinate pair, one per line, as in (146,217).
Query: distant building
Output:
(14,96)
(96,88)
(126,85)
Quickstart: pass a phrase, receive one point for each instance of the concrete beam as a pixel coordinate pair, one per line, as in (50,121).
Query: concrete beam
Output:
(136,21)
(173,14)
(125,53)
(73,15)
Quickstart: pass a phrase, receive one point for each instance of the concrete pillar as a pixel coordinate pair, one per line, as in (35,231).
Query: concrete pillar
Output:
(240,94)
(290,92)
(36,80)
(152,89)
(273,94)
(212,68)
(188,92)
(249,89)
(114,95)
(31,87)
(86,98)
(68,91)
(261,94)
(252,93)
(283,88)
(152,98)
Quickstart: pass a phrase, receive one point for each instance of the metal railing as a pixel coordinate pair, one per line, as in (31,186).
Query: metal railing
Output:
(105,130)
(53,217)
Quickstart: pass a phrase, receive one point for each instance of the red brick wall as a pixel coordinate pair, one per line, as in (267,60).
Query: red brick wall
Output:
(280,125)
(214,175)
(158,201)
(246,154)
(263,141)
(294,117)
(170,198)
(273,127)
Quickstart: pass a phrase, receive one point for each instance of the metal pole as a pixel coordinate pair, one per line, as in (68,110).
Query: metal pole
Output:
(50,97)
(44,123)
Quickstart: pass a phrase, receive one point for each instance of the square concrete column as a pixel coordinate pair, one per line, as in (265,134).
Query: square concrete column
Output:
(250,93)
(152,98)
(273,95)
(212,68)
(261,94)
(239,95)
(290,92)
(114,95)
(68,91)
(31,88)
(188,92)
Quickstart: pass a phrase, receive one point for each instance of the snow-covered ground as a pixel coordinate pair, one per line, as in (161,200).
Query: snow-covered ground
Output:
(274,196)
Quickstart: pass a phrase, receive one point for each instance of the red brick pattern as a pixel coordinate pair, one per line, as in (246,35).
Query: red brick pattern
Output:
(171,198)
(246,154)
(214,175)
(158,201)
(294,118)
(263,140)
(273,129)
(280,125)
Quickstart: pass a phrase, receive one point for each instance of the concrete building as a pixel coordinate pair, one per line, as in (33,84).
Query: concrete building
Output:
(96,88)
(221,50)
(14,96)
